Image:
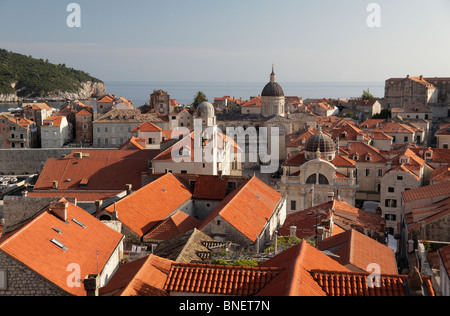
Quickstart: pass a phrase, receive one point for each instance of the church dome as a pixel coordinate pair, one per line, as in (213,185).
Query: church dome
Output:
(272,89)
(320,141)
(206,109)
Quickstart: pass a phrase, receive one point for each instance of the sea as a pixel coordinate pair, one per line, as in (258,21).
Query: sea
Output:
(184,92)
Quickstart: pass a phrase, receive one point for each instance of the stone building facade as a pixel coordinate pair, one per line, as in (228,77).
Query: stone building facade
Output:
(429,92)
(22,281)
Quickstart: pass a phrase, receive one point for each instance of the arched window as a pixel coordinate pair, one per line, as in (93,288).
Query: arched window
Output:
(105,218)
(323,179)
(312,179)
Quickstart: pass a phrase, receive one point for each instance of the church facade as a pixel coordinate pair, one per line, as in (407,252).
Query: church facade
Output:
(318,175)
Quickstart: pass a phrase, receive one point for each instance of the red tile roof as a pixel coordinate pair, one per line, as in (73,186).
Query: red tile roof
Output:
(248,208)
(296,160)
(81,196)
(134,143)
(147,127)
(218,280)
(295,278)
(210,187)
(444,254)
(142,210)
(305,220)
(55,120)
(341,161)
(106,99)
(175,225)
(143,277)
(355,284)
(426,192)
(363,150)
(32,246)
(84,112)
(108,170)
(255,102)
(359,250)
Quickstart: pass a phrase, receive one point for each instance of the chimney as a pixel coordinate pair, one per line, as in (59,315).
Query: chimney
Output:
(24,193)
(98,205)
(91,284)
(78,155)
(55,185)
(128,189)
(59,209)
(293,230)
(330,196)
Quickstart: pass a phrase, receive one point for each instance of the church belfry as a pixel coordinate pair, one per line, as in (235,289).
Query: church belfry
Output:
(272,97)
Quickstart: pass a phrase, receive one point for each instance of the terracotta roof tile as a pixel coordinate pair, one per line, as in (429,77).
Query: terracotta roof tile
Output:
(147,127)
(175,225)
(54,120)
(295,279)
(359,250)
(144,209)
(356,284)
(218,280)
(105,169)
(32,246)
(426,192)
(143,277)
(248,208)
(444,254)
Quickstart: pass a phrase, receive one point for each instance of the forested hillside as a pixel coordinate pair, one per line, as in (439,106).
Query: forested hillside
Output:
(25,76)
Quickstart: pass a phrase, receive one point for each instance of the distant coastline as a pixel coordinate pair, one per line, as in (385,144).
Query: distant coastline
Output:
(183,92)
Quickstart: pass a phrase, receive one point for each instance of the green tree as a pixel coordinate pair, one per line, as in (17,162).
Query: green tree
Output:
(384,114)
(367,95)
(198,99)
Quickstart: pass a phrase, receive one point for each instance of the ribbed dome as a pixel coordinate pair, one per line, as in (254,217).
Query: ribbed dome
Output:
(272,89)
(206,109)
(320,141)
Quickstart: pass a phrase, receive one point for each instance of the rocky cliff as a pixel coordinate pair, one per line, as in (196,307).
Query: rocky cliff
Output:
(87,90)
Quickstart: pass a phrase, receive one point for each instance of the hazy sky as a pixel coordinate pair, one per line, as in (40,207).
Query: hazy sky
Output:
(200,40)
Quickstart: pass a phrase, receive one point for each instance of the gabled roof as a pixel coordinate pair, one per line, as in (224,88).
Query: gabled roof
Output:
(248,208)
(134,143)
(185,247)
(218,280)
(372,123)
(104,170)
(395,127)
(295,278)
(255,102)
(345,214)
(55,120)
(147,207)
(363,150)
(143,277)
(188,143)
(84,112)
(359,250)
(296,160)
(441,173)
(147,127)
(444,254)
(32,245)
(426,192)
(355,284)
(175,225)
(341,161)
